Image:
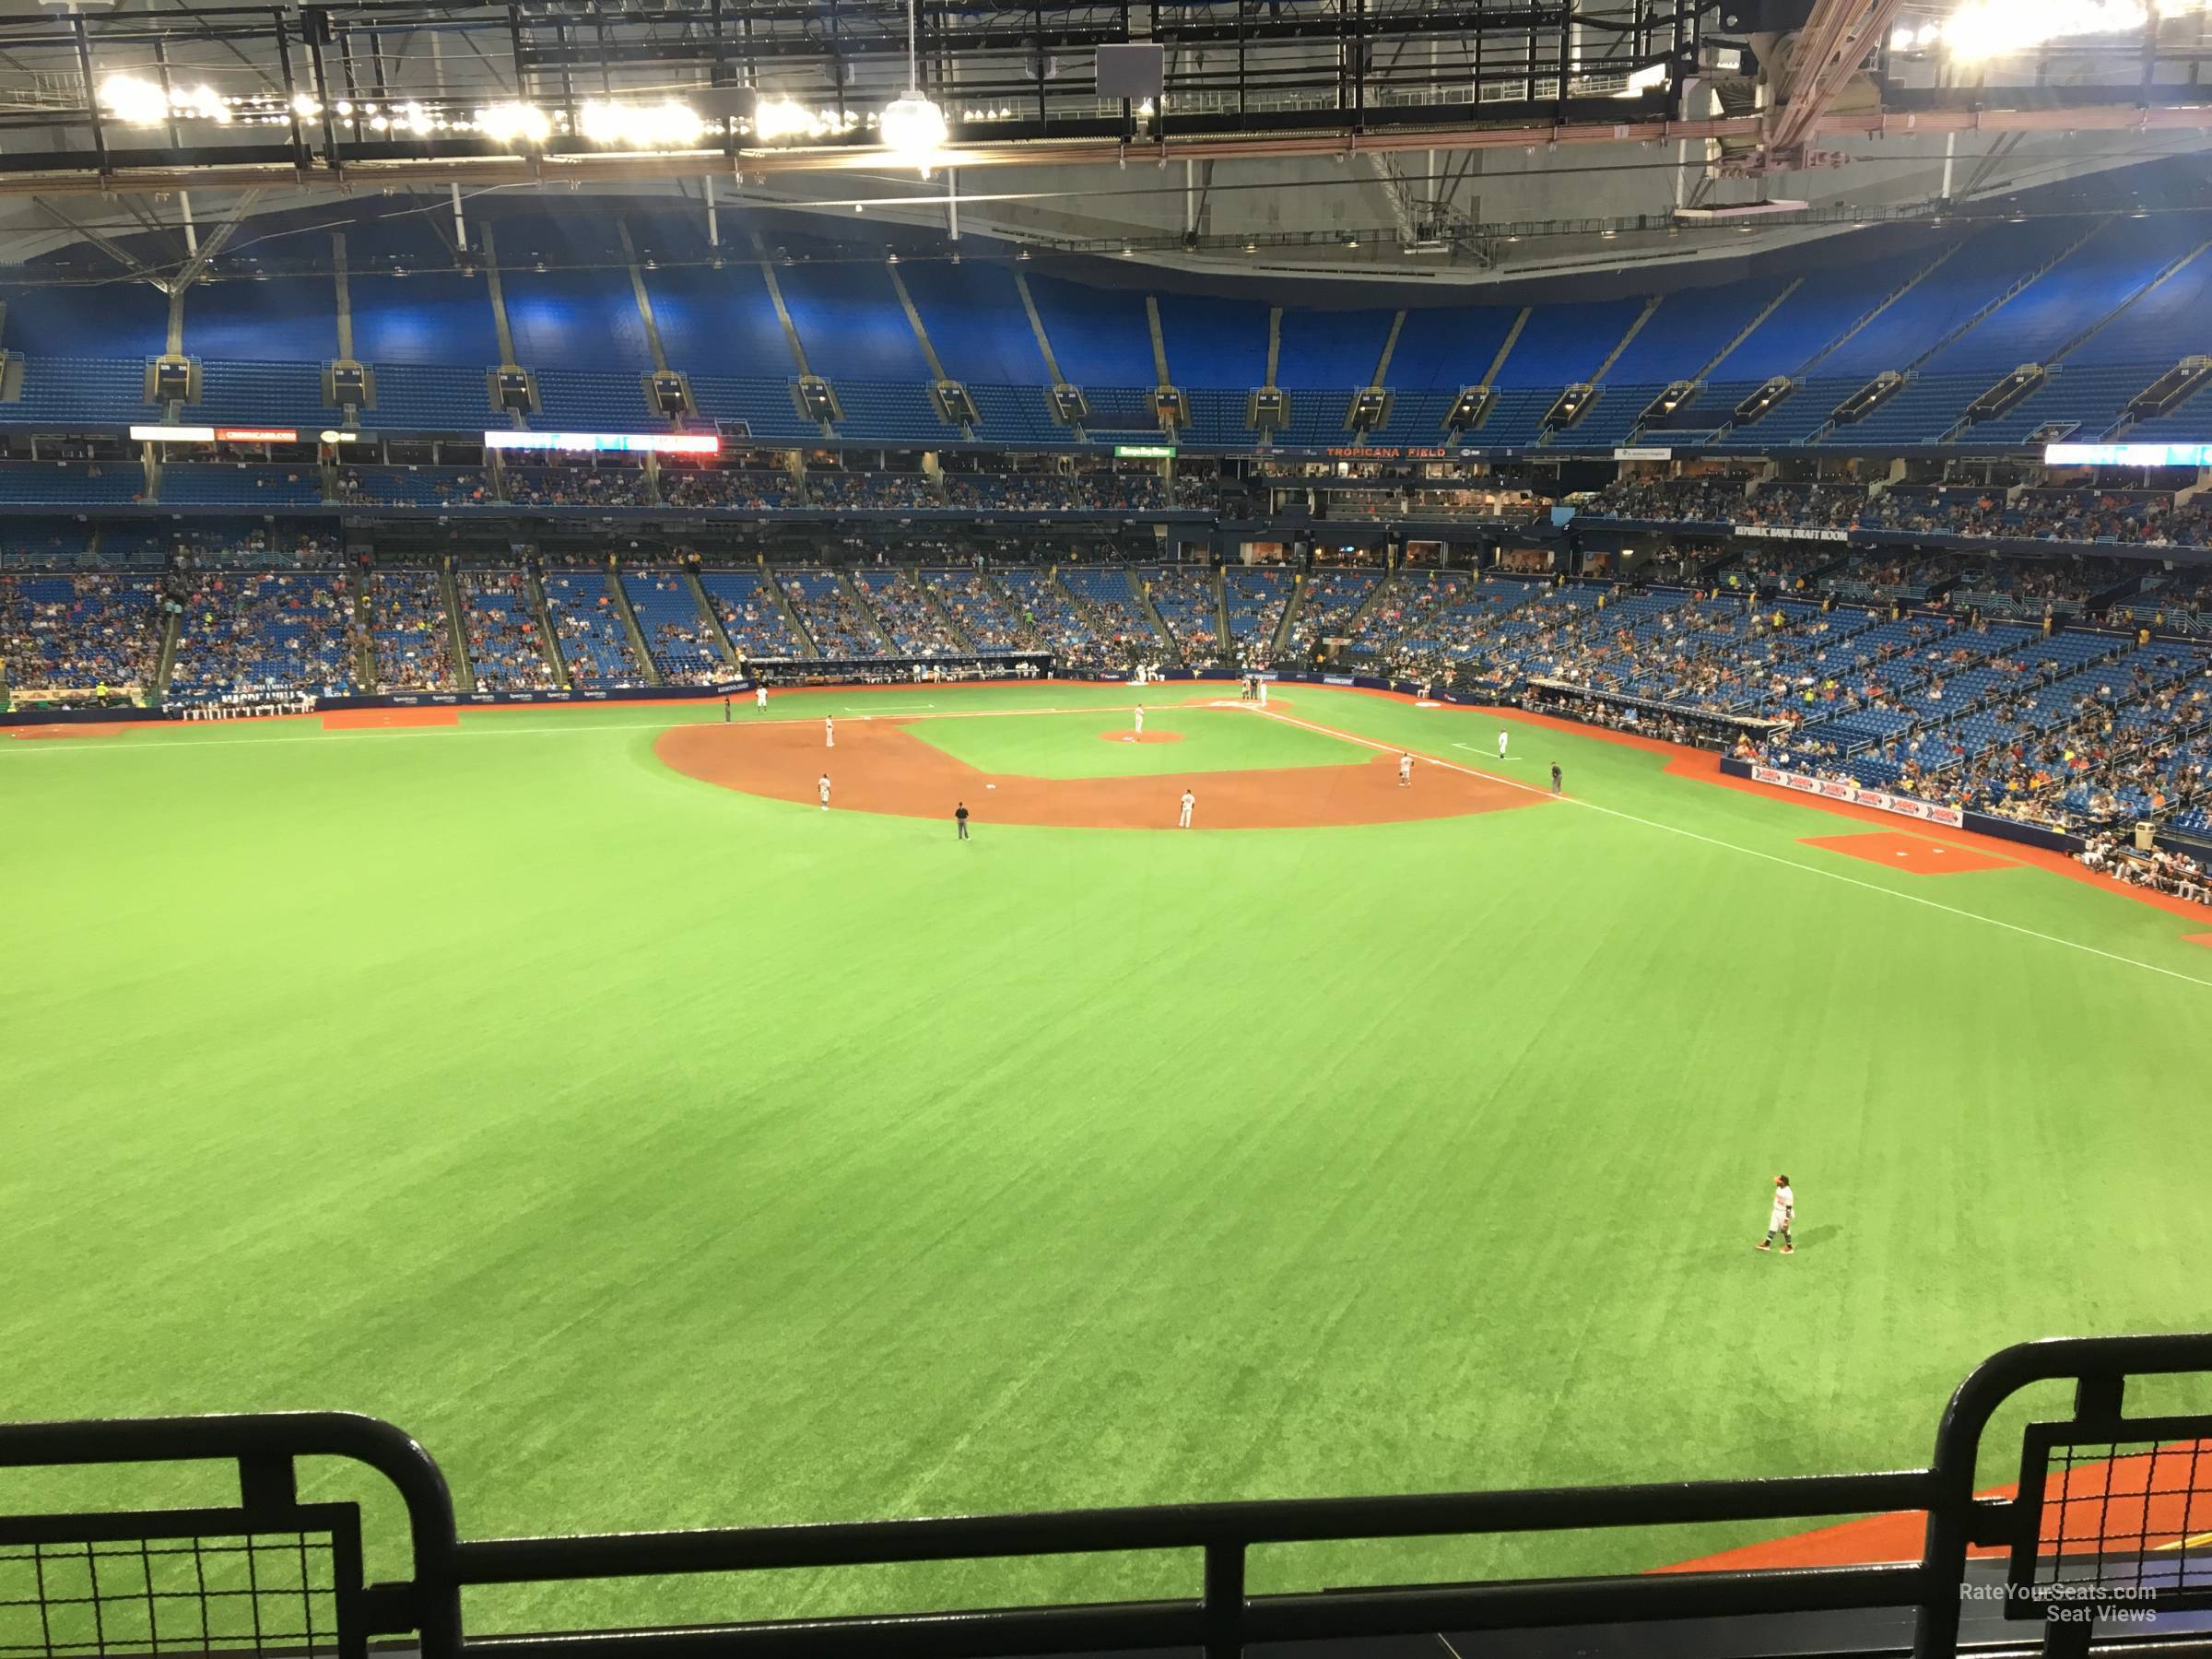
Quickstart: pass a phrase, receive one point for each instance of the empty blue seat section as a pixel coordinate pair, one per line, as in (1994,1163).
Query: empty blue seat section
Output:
(453,398)
(1417,416)
(1832,297)
(764,405)
(256,487)
(436,317)
(895,411)
(1332,350)
(1612,418)
(1447,348)
(973,313)
(1687,330)
(2091,395)
(719,322)
(574,317)
(1563,343)
(79,391)
(851,322)
(1920,413)
(285,395)
(1316,416)
(2163,326)
(1217,416)
(1016,413)
(111,319)
(1516,417)
(72,483)
(2071,296)
(282,319)
(1099,337)
(1216,343)
(586,400)
(1992,260)
(1796,419)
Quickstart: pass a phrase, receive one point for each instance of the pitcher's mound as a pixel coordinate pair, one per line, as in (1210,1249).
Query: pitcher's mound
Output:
(1142,736)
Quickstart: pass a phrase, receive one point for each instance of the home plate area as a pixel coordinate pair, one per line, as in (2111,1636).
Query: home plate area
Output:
(1911,853)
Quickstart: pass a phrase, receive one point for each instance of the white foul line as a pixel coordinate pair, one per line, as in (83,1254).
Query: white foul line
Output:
(1748,851)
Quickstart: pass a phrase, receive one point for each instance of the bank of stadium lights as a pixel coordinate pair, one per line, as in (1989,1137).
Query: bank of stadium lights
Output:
(1986,29)
(137,102)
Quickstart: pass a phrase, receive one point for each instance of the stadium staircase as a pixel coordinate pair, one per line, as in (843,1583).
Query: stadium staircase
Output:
(858,592)
(1281,641)
(172,626)
(620,592)
(548,638)
(1141,593)
(936,605)
(464,671)
(774,590)
(1705,372)
(706,609)
(1220,590)
(1597,378)
(1080,606)
(364,639)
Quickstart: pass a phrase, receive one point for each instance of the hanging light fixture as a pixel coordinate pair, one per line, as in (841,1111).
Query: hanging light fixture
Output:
(912,125)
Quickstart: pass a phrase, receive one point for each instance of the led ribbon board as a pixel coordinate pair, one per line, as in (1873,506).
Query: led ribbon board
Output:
(674,443)
(2128,454)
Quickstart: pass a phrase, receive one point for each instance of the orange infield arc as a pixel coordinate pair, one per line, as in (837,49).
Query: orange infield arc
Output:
(880,767)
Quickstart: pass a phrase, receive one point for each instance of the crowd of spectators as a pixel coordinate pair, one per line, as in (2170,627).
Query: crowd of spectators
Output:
(872,492)
(829,611)
(506,647)
(576,487)
(409,635)
(246,634)
(587,623)
(686,486)
(256,548)
(1184,599)
(980,612)
(1060,492)
(908,614)
(415,487)
(86,637)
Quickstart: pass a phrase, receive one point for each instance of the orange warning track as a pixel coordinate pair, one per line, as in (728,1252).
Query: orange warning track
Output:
(879,767)
(1911,853)
(2124,1498)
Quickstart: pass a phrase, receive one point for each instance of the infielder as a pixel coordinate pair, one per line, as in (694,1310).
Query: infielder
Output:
(1263,686)
(824,786)
(829,734)
(1780,1217)
(1405,772)
(760,697)
(1140,720)
(1502,745)
(1189,801)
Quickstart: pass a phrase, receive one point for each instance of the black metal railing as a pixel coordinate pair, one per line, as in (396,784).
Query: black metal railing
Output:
(2110,1513)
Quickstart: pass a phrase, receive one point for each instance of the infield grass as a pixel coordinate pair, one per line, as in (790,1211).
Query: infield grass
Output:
(663,1156)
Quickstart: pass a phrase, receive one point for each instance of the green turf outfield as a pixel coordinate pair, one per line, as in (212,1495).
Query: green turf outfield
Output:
(1064,746)
(663,1156)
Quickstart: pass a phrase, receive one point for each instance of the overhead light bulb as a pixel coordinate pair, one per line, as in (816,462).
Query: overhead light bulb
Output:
(914,130)
(669,125)
(515,124)
(134,101)
(781,118)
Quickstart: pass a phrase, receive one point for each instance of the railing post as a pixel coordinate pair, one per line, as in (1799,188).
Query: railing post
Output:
(1224,1602)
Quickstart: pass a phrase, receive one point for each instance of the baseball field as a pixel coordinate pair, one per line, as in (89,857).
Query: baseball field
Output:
(569,1087)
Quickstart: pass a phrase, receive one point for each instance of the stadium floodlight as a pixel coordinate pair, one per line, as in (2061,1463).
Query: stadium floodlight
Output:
(914,130)
(1988,28)
(913,126)
(776,119)
(670,125)
(137,102)
(515,124)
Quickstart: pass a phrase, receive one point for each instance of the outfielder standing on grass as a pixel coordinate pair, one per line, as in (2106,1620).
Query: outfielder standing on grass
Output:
(1555,777)
(825,789)
(1780,1217)
(960,817)
(1502,745)
(760,697)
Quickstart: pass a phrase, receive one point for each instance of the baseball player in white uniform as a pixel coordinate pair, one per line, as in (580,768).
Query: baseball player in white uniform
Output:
(824,787)
(1502,745)
(760,697)
(1189,801)
(1263,693)
(830,734)
(1781,1216)
(1405,772)
(1140,720)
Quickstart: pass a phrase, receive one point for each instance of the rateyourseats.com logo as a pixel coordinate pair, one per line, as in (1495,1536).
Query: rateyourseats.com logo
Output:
(2074,1602)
